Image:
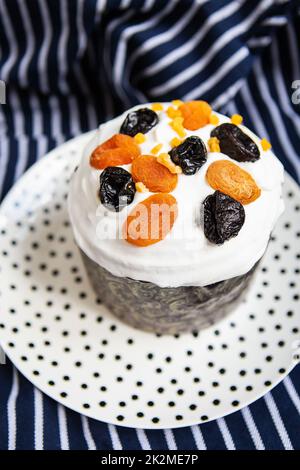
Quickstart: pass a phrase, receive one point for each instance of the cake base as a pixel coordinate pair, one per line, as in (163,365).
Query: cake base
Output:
(149,307)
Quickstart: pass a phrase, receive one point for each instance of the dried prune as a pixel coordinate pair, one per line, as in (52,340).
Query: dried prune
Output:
(142,120)
(235,143)
(223,217)
(117,188)
(190,155)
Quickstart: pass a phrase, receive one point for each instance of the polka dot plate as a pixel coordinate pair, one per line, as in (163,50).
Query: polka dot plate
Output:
(69,345)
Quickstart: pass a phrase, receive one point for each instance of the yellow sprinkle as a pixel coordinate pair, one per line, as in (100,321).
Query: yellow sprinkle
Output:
(165,160)
(175,142)
(236,119)
(213,144)
(141,188)
(177,103)
(173,112)
(157,107)
(156,149)
(213,119)
(139,138)
(265,144)
(177,126)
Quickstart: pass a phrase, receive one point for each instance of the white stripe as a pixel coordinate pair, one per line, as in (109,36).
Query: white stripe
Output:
(148,4)
(283,97)
(120,56)
(37,128)
(226,434)
(254,432)
(217,46)
(20,135)
(275,21)
(276,117)
(87,433)
(18,116)
(11,411)
(56,122)
(278,423)
(155,41)
(192,43)
(4,159)
(82,37)
(44,50)
(38,420)
(115,440)
(24,63)
(13,46)
(100,6)
(63,428)
(37,117)
(42,146)
(228,94)
(225,68)
(292,393)
(74,116)
(62,46)
(198,437)
(124,4)
(171,443)
(107,45)
(4,152)
(259,42)
(143,439)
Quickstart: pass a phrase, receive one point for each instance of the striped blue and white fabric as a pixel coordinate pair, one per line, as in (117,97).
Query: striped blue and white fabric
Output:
(69,65)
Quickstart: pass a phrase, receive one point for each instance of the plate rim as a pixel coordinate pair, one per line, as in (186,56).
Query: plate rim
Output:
(34,381)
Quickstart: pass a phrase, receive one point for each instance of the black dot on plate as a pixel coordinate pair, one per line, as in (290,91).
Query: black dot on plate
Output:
(201,393)
(268,383)
(160,390)
(140,414)
(120,418)
(36,372)
(122,404)
(86,405)
(257,371)
(102,403)
(51,383)
(233,388)
(269,358)
(155,420)
(249,388)
(150,403)
(235,403)
(282,371)
(179,417)
(216,402)
(134,397)
(204,418)
(63,394)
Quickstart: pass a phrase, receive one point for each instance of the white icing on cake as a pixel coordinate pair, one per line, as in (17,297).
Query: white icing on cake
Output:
(185,257)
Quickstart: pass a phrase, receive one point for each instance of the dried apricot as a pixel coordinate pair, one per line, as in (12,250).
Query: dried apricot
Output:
(195,114)
(118,150)
(151,220)
(232,180)
(156,177)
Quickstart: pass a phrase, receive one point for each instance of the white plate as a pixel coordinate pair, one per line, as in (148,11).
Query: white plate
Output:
(68,345)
